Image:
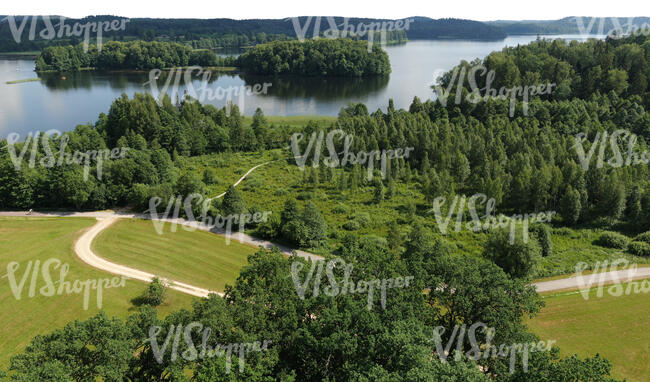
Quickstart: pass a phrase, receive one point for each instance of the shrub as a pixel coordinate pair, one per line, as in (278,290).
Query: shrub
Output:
(644,237)
(351,225)
(340,209)
(269,229)
(155,293)
(252,183)
(563,231)
(209,177)
(306,195)
(612,240)
(363,218)
(280,192)
(518,259)
(543,235)
(334,234)
(639,248)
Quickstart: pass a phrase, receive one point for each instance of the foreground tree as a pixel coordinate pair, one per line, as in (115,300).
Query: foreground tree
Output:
(509,250)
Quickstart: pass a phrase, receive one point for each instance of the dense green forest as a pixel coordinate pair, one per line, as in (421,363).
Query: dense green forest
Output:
(323,57)
(219,33)
(137,55)
(578,70)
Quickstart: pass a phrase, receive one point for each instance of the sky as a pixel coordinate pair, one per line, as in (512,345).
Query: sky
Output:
(390,9)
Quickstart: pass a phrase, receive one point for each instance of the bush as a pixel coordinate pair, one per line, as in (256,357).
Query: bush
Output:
(639,248)
(563,231)
(209,177)
(280,192)
(340,209)
(518,259)
(644,237)
(269,229)
(351,225)
(543,235)
(334,234)
(306,195)
(612,240)
(363,218)
(252,183)
(155,294)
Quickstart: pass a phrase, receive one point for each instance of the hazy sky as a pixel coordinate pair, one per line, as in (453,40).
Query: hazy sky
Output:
(468,9)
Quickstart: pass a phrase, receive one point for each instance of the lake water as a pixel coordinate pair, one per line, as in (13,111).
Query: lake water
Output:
(62,103)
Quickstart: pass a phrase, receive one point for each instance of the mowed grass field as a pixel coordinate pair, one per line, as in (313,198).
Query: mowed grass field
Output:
(295,120)
(25,239)
(198,258)
(618,328)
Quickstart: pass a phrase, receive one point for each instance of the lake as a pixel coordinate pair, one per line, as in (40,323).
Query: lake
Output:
(78,98)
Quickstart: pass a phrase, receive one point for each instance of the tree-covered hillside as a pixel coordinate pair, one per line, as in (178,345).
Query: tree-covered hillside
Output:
(215,33)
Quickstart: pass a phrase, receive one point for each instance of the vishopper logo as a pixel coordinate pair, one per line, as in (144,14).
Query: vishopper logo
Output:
(63,156)
(487,221)
(483,94)
(488,350)
(204,93)
(613,274)
(49,289)
(205,350)
(76,29)
(219,223)
(349,158)
(348,286)
(347,29)
(620,27)
(600,142)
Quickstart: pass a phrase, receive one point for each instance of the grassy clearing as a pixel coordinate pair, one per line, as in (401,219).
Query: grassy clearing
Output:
(615,327)
(25,239)
(198,258)
(24,55)
(295,120)
(23,81)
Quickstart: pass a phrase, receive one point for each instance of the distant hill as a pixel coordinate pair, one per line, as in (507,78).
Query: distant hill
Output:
(570,25)
(208,33)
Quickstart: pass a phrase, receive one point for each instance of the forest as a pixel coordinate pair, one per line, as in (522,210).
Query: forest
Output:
(224,33)
(135,55)
(325,57)
(579,70)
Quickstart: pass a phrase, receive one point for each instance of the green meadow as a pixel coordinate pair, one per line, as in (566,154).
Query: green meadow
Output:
(30,239)
(198,258)
(614,327)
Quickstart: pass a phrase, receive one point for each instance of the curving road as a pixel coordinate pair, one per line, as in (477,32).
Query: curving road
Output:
(83,249)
